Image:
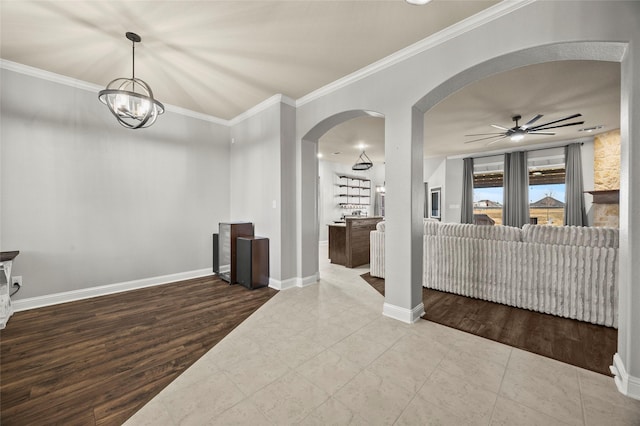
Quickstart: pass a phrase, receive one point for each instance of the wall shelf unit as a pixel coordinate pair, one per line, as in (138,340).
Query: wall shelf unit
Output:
(353,191)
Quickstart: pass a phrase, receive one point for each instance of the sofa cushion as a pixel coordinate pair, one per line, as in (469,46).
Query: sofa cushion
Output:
(571,235)
(380,226)
(484,232)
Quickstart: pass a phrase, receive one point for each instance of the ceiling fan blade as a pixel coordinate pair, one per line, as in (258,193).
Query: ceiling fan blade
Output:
(497,140)
(556,121)
(485,134)
(541,133)
(555,127)
(499,127)
(484,139)
(530,122)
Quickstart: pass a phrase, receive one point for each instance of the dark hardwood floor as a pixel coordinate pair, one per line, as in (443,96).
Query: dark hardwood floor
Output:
(97,361)
(575,342)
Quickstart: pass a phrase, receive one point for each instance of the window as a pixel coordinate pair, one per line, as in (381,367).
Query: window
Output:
(487,198)
(546,190)
(435,203)
(547,195)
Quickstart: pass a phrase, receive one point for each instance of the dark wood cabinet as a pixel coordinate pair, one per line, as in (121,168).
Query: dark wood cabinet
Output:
(253,262)
(349,243)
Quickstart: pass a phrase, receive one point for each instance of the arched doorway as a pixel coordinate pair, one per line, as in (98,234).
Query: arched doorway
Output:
(596,51)
(309,227)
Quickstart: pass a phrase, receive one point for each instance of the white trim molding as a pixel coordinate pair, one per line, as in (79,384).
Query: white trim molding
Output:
(626,384)
(284,284)
(84,85)
(311,279)
(408,316)
(293,282)
(86,293)
(490,14)
(273,100)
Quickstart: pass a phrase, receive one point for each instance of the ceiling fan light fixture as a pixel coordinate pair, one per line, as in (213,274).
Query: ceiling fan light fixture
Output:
(362,163)
(131,100)
(517,137)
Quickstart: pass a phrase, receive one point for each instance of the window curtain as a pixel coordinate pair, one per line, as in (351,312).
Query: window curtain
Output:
(574,210)
(515,209)
(426,199)
(467,191)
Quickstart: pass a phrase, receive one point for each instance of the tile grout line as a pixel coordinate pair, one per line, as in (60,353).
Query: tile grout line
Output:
(504,374)
(582,405)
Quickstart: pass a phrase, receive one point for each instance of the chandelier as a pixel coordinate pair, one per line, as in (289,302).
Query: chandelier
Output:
(131,100)
(362,163)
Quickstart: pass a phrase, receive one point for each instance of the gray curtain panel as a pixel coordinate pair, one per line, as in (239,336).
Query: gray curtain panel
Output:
(515,209)
(467,191)
(574,210)
(426,199)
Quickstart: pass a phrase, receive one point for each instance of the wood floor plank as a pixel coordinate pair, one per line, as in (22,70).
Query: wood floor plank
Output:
(98,361)
(575,342)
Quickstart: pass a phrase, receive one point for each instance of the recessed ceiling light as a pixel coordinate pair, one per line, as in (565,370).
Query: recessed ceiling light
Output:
(418,2)
(361,146)
(592,128)
(319,155)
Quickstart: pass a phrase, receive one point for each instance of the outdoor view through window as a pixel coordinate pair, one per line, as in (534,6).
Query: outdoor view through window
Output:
(546,197)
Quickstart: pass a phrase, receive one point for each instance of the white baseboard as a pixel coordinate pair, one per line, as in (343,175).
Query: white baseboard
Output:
(626,384)
(408,316)
(293,282)
(86,293)
(311,279)
(284,284)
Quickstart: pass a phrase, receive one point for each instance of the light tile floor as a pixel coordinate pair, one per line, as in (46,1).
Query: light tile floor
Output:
(325,355)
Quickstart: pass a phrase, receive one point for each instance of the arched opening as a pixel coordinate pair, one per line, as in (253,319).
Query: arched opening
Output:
(594,51)
(309,227)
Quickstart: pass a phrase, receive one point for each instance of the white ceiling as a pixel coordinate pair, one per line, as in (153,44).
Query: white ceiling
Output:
(218,57)
(555,89)
(223,57)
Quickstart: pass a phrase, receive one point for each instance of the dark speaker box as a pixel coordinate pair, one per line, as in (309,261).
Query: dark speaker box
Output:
(252,261)
(216,255)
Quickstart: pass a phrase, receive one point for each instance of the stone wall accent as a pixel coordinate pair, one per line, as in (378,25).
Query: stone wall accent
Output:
(606,170)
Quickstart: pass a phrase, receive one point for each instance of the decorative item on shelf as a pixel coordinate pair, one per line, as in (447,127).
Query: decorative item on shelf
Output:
(362,163)
(131,100)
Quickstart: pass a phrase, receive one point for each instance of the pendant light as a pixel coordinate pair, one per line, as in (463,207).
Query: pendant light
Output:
(131,100)
(362,163)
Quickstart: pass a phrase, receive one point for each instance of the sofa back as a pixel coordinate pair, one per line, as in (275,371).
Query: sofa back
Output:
(571,235)
(482,232)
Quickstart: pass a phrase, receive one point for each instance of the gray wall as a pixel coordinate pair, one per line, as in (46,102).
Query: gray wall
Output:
(88,202)
(263,181)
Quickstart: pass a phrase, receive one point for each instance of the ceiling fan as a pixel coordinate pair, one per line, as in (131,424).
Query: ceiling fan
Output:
(517,132)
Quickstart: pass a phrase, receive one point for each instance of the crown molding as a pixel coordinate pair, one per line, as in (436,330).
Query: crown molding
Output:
(482,18)
(94,88)
(49,76)
(269,102)
(196,115)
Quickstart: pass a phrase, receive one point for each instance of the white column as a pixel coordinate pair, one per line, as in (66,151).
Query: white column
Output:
(627,359)
(404,211)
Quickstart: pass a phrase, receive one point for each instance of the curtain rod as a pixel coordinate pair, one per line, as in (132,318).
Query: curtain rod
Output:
(530,150)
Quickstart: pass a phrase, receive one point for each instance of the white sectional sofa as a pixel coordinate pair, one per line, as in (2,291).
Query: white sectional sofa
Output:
(566,271)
